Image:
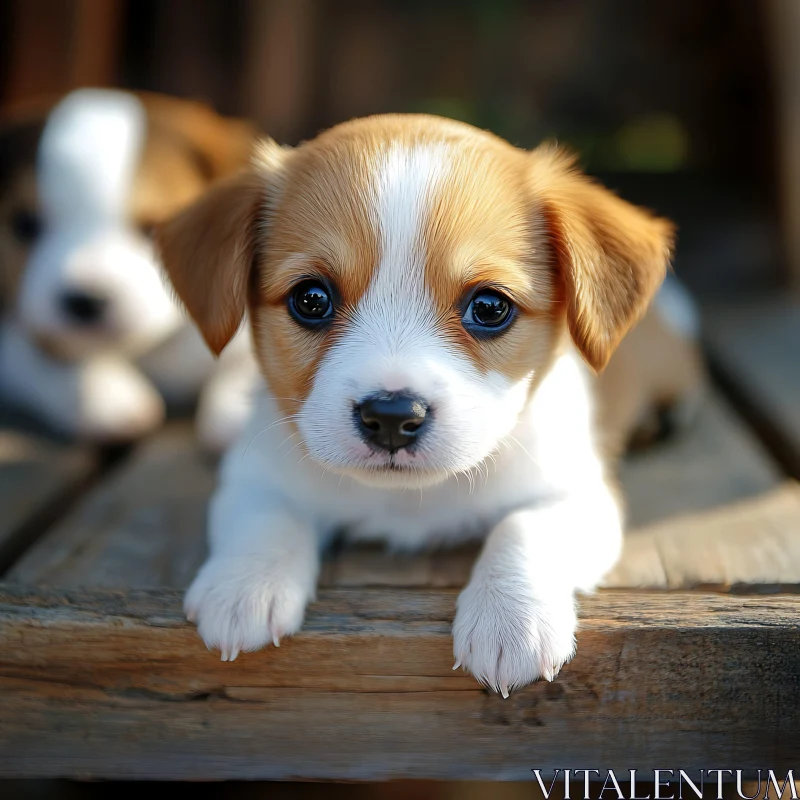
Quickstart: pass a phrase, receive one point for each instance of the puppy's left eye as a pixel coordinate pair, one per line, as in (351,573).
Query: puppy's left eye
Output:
(311,303)
(488,309)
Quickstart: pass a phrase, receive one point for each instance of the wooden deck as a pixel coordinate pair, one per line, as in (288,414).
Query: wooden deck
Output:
(102,677)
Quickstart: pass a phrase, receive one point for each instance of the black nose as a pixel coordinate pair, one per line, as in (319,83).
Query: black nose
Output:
(391,421)
(82,307)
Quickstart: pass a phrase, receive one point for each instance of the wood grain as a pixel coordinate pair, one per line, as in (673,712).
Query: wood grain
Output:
(716,462)
(35,475)
(756,541)
(110,685)
(143,526)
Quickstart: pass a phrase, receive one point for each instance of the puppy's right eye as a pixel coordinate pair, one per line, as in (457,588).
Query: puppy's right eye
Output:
(26,225)
(310,303)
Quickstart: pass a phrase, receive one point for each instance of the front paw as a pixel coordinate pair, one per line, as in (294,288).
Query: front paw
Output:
(241,604)
(116,404)
(508,636)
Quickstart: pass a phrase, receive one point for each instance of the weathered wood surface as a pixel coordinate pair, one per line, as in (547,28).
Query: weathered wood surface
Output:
(105,684)
(755,345)
(755,541)
(35,475)
(716,462)
(145,526)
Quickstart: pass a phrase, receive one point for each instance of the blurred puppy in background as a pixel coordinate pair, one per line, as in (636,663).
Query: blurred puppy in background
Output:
(428,304)
(92,340)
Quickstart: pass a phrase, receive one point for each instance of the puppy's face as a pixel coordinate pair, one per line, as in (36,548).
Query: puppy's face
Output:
(409,280)
(76,217)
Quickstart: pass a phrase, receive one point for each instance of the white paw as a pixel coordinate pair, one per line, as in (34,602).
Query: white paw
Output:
(241,604)
(117,403)
(508,636)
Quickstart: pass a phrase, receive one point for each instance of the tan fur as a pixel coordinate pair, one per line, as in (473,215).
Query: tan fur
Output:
(527,224)
(208,251)
(221,145)
(652,369)
(612,256)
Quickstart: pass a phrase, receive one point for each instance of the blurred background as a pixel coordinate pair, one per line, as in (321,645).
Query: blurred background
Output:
(683,106)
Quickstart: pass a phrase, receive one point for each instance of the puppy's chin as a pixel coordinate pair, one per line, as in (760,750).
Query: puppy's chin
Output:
(395,478)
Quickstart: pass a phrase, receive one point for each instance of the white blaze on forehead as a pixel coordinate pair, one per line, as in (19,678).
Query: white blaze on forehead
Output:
(406,183)
(88,155)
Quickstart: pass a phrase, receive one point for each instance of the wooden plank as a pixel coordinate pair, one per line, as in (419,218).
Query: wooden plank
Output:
(116,685)
(144,526)
(39,49)
(95,42)
(279,64)
(37,477)
(716,462)
(756,541)
(754,344)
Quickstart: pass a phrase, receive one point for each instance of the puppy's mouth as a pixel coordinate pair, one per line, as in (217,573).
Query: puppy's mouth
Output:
(397,471)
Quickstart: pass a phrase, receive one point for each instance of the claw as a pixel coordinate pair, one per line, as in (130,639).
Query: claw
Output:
(457,664)
(275,640)
(504,690)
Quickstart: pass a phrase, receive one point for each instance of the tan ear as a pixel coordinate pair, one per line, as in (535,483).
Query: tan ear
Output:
(223,144)
(208,252)
(612,256)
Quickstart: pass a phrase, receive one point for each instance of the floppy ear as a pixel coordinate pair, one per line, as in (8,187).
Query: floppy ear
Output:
(222,144)
(208,250)
(611,256)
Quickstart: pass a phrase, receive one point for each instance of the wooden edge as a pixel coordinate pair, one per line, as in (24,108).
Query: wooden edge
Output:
(106,684)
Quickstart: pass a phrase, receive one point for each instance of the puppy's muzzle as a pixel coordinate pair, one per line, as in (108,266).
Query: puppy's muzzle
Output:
(391,421)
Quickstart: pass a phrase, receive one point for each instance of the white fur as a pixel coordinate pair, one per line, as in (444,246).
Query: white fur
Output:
(104,398)
(87,161)
(523,470)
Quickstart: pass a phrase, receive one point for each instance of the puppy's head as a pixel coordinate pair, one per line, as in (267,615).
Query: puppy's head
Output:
(409,280)
(92,177)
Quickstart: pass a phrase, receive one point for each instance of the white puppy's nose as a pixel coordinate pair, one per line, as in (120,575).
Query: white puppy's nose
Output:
(83,307)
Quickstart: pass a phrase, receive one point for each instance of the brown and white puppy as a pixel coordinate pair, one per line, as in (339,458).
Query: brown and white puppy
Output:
(92,339)
(428,303)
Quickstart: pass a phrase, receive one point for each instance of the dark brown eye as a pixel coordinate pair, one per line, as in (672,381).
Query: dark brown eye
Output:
(488,309)
(311,303)
(26,225)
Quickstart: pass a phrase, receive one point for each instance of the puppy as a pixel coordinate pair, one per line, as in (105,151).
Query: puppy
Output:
(92,339)
(428,304)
